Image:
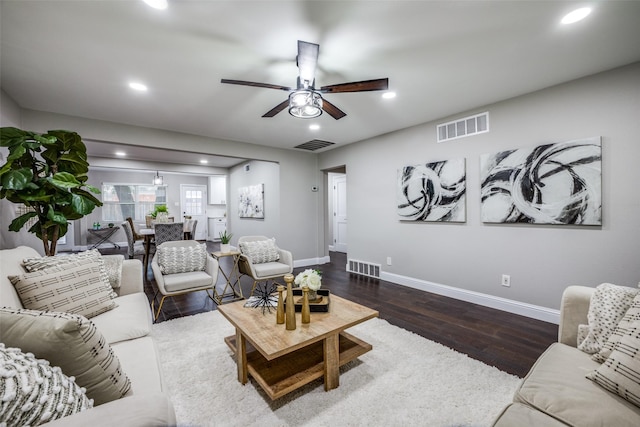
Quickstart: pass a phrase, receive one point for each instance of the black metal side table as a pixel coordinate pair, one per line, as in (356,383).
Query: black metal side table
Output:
(103,235)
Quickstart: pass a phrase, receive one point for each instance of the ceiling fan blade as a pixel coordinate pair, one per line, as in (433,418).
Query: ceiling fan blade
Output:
(332,110)
(307,61)
(363,86)
(275,110)
(255,84)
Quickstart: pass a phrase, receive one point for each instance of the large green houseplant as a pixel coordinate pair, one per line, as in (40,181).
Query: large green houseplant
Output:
(46,172)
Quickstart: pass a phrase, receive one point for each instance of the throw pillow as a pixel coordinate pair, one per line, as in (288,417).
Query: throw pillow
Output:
(182,259)
(71,342)
(113,266)
(33,392)
(631,316)
(40,263)
(261,251)
(608,305)
(72,287)
(620,373)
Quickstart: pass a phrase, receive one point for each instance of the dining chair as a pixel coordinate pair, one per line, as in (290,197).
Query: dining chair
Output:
(134,247)
(136,236)
(167,232)
(190,229)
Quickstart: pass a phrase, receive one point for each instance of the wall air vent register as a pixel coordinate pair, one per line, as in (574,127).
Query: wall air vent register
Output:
(467,126)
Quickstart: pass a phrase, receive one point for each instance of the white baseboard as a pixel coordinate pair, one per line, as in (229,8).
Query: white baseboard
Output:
(529,310)
(310,261)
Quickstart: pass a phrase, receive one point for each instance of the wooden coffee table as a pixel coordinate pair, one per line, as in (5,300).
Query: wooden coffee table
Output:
(282,361)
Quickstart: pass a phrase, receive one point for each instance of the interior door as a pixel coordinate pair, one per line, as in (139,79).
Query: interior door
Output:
(193,202)
(340,213)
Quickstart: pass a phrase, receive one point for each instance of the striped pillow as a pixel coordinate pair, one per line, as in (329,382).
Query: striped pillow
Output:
(71,342)
(72,287)
(620,373)
(631,316)
(34,391)
(40,263)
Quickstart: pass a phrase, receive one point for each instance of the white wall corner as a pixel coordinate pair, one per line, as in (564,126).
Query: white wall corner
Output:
(523,309)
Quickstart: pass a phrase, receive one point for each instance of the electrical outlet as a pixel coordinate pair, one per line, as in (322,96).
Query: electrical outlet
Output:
(388,260)
(506,280)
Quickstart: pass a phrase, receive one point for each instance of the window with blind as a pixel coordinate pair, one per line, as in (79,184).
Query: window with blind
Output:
(121,201)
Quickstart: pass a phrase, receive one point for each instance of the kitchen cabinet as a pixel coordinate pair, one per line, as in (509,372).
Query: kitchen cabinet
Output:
(218,190)
(217,225)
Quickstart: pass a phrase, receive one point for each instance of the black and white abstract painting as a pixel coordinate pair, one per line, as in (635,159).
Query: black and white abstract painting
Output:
(548,184)
(433,191)
(251,201)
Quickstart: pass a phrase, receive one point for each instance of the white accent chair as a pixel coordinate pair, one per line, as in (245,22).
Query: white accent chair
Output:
(266,271)
(181,283)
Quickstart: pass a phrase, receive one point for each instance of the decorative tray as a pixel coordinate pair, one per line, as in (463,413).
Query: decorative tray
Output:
(319,306)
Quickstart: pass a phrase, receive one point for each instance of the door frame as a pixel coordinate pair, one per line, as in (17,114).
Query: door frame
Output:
(202,229)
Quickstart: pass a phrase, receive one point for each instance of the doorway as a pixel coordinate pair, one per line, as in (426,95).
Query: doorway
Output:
(193,202)
(338,211)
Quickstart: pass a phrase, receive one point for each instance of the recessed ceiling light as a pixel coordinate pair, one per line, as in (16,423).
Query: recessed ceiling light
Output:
(157,4)
(120,153)
(204,161)
(138,86)
(389,95)
(576,15)
(314,127)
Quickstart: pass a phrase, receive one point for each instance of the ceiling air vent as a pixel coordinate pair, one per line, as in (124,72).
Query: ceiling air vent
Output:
(467,126)
(314,145)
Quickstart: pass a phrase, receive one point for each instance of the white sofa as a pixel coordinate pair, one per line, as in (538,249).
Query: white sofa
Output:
(127,329)
(556,393)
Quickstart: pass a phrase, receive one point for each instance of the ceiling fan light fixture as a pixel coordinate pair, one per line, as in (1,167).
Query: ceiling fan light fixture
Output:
(305,104)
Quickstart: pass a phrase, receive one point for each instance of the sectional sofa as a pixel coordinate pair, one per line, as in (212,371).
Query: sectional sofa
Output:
(124,331)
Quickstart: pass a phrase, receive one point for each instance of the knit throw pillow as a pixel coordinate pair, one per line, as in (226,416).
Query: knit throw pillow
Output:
(73,287)
(608,305)
(40,263)
(33,392)
(261,251)
(182,259)
(71,342)
(620,373)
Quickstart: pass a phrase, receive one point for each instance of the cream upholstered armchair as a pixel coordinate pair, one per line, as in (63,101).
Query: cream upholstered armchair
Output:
(262,260)
(181,267)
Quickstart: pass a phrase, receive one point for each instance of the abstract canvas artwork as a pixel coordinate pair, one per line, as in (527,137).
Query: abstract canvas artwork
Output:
(251,201)
(433,191)
(548,184)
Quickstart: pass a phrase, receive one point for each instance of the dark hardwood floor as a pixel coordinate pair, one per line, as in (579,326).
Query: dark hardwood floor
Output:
(507,341)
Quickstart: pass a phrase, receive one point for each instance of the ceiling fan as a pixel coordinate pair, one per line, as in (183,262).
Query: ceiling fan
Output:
(305,101)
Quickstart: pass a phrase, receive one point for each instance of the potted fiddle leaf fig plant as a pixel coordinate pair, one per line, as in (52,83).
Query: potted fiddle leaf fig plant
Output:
(47,173)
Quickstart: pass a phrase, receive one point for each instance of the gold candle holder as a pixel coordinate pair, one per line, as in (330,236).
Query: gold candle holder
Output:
(290,310)
(280,308)
(306,311)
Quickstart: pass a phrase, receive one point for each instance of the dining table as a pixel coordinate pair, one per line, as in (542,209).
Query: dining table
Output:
(149,234)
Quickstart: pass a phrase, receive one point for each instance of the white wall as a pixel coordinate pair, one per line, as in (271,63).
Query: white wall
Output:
(11,116)
(267,173)
(542,260)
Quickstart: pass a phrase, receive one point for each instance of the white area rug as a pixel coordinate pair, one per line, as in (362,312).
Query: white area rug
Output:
(405,380)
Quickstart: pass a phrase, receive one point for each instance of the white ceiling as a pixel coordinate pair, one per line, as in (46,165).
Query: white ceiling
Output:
(441,58)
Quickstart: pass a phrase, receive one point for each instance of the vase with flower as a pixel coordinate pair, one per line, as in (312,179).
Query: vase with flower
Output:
(313,280)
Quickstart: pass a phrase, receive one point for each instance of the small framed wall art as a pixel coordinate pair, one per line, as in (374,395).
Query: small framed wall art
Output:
(251,203)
